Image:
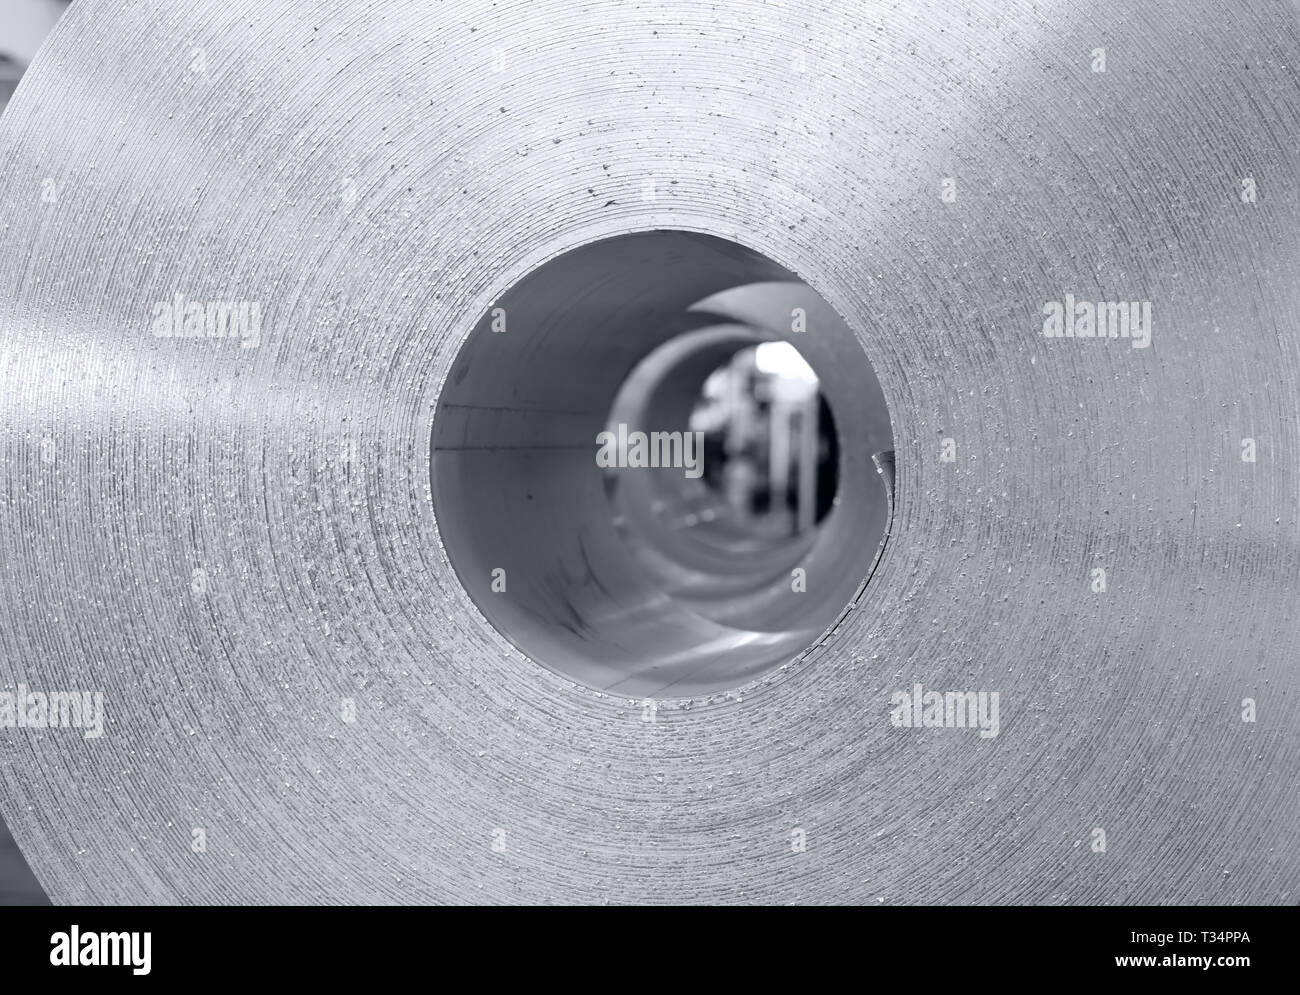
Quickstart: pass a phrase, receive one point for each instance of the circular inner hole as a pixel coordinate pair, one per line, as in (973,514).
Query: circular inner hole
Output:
(652,465)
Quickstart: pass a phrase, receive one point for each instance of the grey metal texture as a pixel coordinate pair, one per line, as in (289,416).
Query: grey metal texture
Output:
(484,138)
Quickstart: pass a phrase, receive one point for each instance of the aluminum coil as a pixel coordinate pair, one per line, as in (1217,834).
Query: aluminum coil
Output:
(233,540)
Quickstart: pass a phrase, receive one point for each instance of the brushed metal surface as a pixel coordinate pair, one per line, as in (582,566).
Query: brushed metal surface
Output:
(485,138)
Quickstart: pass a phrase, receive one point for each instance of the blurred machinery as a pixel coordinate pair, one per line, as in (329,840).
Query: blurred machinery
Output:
(770,445)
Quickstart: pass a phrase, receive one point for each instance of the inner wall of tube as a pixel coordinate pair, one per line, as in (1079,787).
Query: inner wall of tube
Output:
(636,579)
(726,537)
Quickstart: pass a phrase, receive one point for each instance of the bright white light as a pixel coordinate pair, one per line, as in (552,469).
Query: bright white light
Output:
(781,359)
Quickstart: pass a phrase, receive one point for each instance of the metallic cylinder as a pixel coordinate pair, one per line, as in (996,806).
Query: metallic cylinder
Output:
(244,243)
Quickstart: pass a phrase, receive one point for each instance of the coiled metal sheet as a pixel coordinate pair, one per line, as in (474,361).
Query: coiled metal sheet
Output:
(230,542)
